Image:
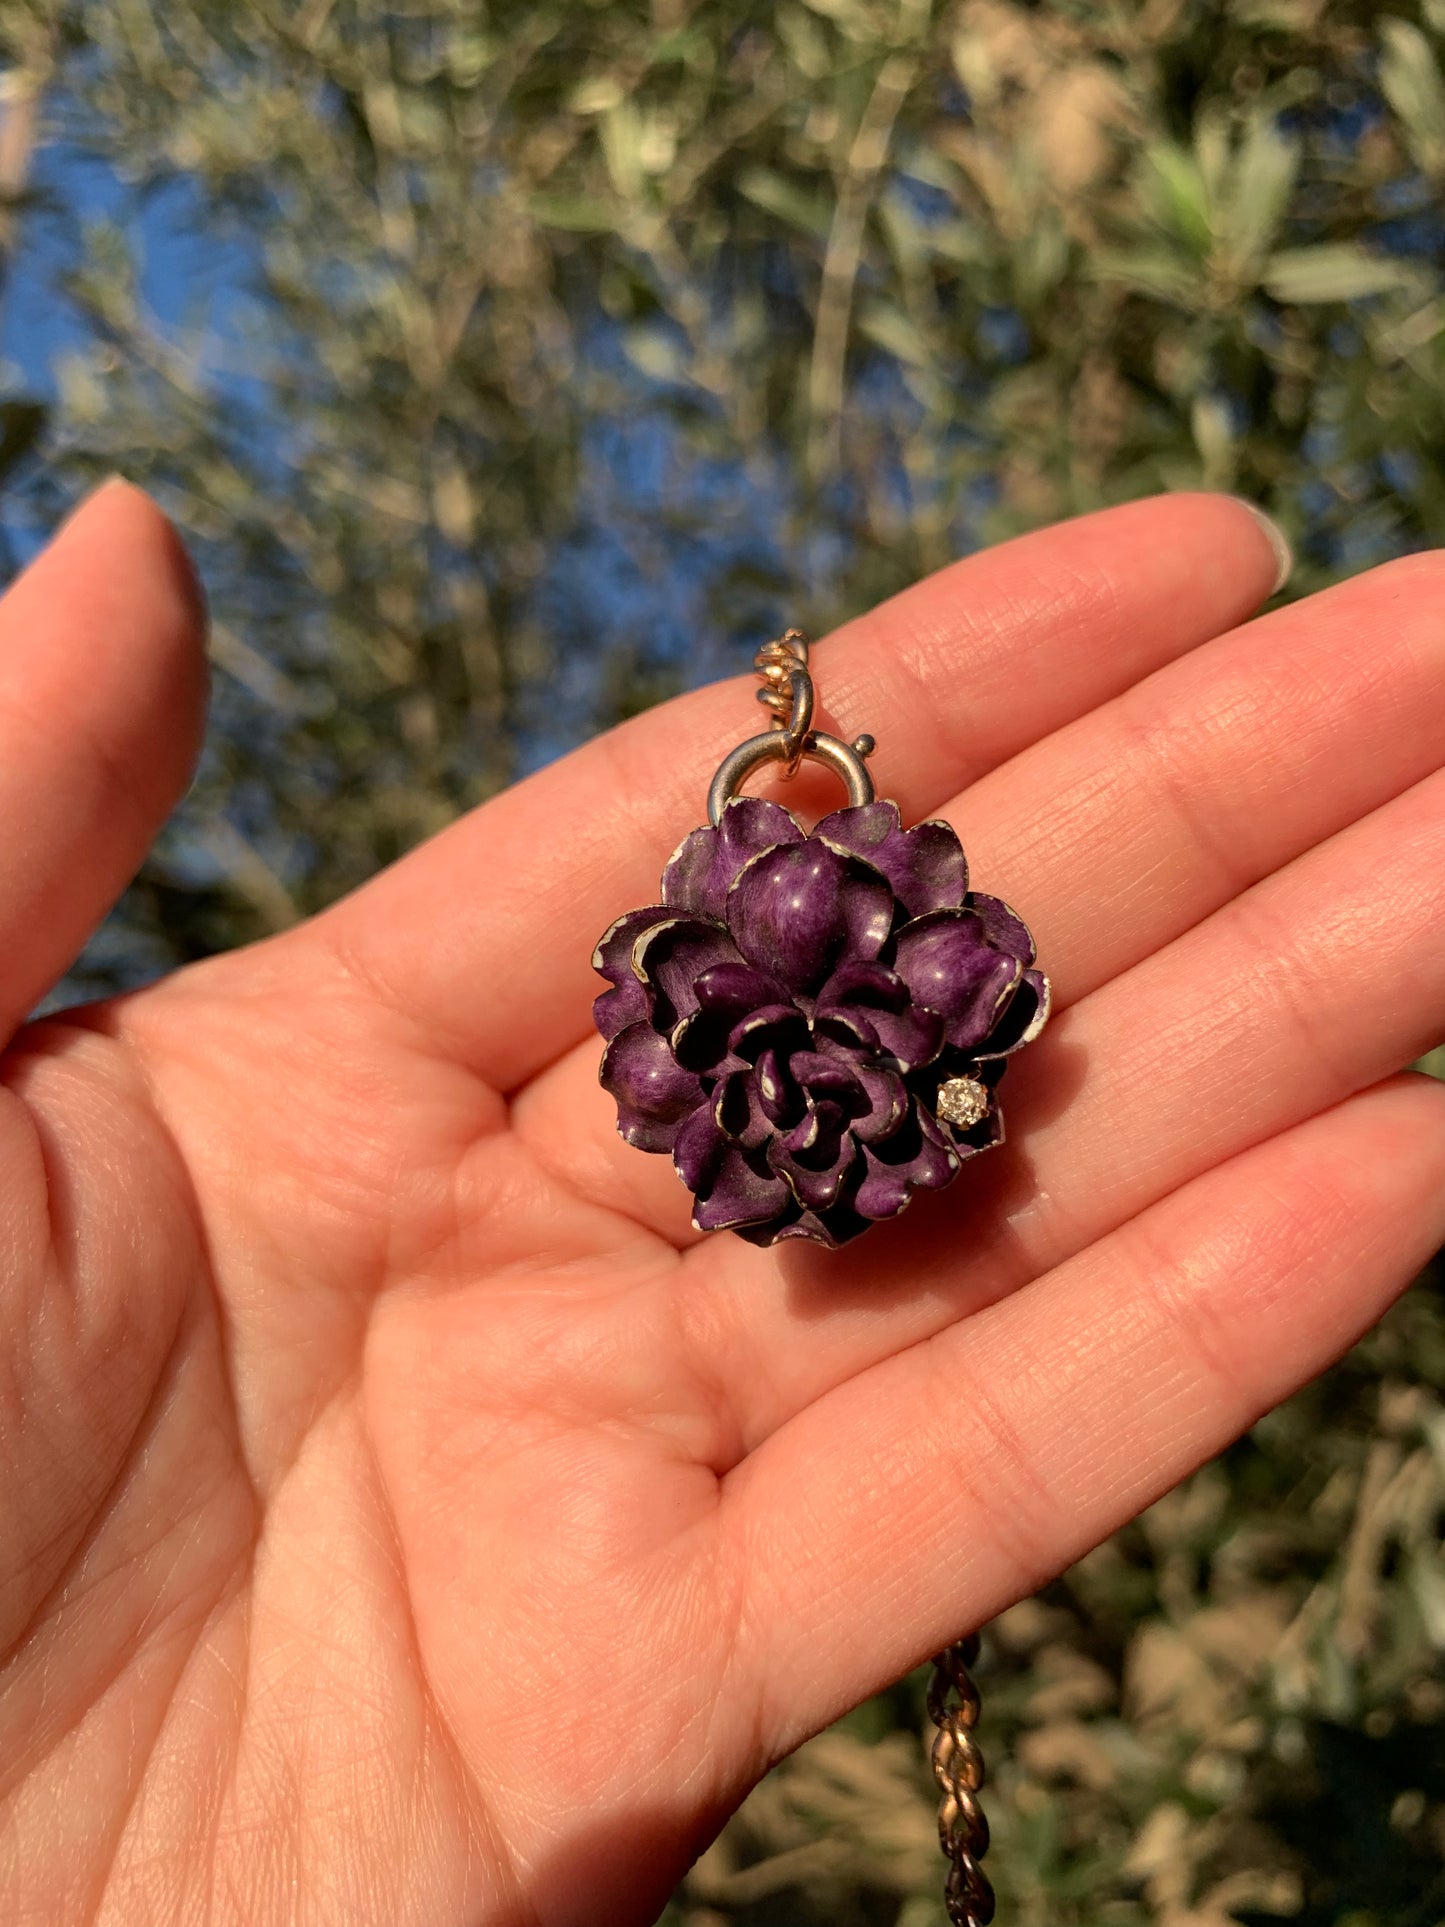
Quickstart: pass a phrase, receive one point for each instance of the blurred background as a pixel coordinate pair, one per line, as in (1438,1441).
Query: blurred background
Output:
(511,366)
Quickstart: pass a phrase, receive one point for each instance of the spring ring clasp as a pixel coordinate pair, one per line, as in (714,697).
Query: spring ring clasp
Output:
(787,690)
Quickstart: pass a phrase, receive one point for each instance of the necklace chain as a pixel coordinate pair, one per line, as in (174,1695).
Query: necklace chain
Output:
(953,1703)
(953,1706)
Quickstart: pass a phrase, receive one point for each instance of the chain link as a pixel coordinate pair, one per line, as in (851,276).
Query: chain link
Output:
(953,1707)
(776,663)
(787,690)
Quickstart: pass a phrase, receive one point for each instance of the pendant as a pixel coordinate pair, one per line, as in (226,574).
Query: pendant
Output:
(813,1024)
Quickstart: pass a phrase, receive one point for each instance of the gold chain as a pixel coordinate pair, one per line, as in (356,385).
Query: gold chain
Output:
(787,690)
(953,1703)
(953,1707)
(776,663)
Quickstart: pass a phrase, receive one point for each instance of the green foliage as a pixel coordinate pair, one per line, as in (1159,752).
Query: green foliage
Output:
(548,353)
(537,357)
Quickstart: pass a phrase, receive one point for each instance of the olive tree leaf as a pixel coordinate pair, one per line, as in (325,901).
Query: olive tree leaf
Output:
(1258,188)
(1410,80)
(766,188)
(1180,196)
(1335,271)
(1150,271)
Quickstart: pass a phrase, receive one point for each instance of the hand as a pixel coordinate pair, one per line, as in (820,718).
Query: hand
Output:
(405,1517)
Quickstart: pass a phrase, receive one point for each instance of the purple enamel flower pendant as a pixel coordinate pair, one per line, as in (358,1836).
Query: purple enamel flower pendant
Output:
(813,1023)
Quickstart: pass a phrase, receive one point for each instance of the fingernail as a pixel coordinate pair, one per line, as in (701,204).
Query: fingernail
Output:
(1278,541)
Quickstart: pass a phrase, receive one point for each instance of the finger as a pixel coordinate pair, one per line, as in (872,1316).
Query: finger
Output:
(487,931)
(102,699)
(1313,986)
(1126,828)
(918,1500)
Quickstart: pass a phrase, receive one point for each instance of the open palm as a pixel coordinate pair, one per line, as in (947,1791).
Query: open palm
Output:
(404,1515)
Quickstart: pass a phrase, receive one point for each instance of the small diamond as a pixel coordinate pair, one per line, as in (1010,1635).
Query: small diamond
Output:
(963,1102)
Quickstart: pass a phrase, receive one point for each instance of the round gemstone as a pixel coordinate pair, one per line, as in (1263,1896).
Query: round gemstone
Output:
(963,1102)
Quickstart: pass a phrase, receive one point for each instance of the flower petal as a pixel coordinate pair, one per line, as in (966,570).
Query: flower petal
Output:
(770,1230)
(845,1033)
(924,865)
(698,1150)
(738,1111)
(612,958)
(700,1041)
(741,1194)
(778,1091)
(871,984)
(887,1096)
(911,1037)
(1004,928)
(628,1002)
(779,1027)
(817,1136)
(1023,1017)
(880,998)
(736,988)
(830,1078)
(830,1228)
(816,1157)
(672,955)
(816,1190)
(917,1158)
(799,911)
(949,965)
(653,1093)
(701,870)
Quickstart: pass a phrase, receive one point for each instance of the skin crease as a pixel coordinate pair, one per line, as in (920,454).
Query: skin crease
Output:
(404,1516)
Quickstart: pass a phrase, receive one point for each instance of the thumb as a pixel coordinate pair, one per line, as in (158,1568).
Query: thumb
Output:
(102,702)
